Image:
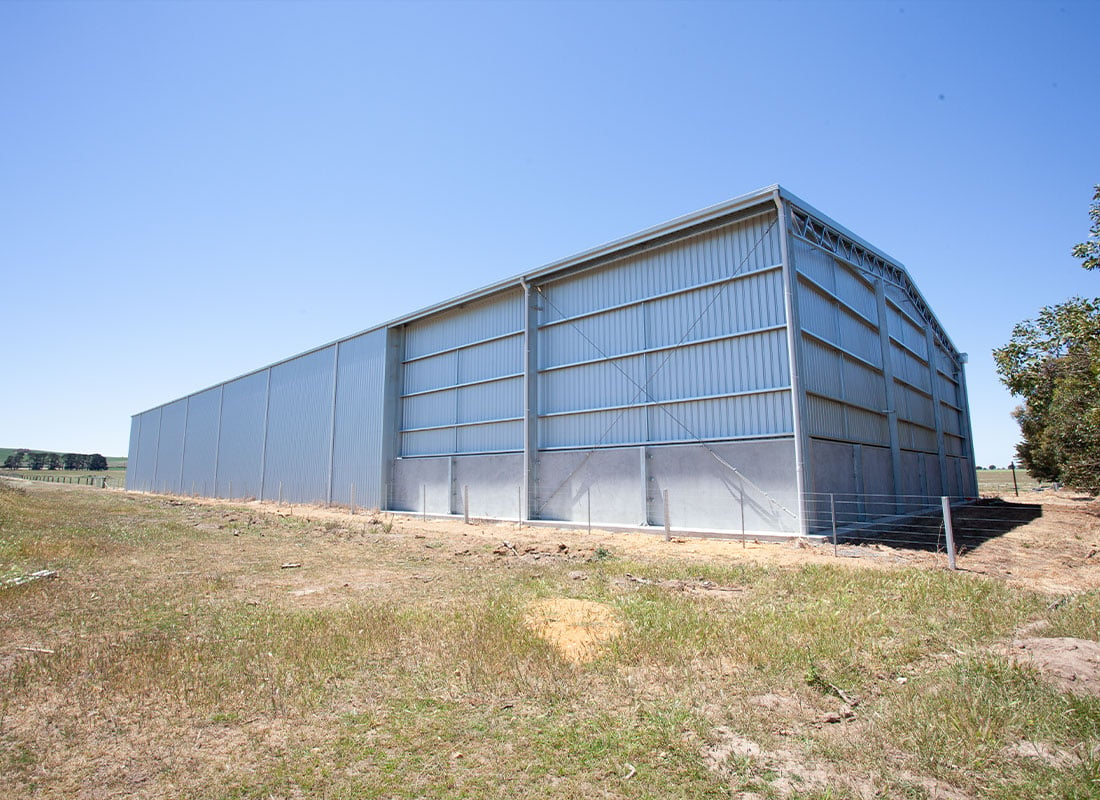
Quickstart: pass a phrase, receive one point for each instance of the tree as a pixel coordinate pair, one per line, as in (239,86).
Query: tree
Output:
(53,460)
(1053,362)
(73,460)
(37,460)
(1089,250)
(96,462)
(14,460)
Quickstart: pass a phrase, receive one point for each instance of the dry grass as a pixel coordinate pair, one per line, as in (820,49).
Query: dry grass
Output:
(404,659)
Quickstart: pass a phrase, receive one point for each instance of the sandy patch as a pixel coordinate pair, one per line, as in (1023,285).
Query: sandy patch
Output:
(577,628)
(1071,665)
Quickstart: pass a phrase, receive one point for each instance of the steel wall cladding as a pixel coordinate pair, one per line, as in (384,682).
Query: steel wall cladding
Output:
(688,325)
(814,263)
(132,464)
(360,408)
(148,443)
(472,322)
(731,250)
(455,381)
(298,446)
(170,443)
(201,448)
(241,446)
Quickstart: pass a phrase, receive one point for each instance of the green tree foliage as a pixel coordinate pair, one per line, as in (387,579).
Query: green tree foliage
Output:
(15,460)
(75,461)
(37,460)
(96,462)
(1089,250)
(1053,362)
(53,460)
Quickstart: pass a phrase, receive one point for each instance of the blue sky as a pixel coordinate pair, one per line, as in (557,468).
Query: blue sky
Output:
(189,191)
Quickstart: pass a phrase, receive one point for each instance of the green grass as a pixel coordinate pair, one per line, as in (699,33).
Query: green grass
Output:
(178,640)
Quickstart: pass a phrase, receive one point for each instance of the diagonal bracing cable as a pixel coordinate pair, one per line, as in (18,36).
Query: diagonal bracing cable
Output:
(644,391)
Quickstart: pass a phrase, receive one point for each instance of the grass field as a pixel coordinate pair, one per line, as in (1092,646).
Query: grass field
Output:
(999,481)
(210,650)
(116,470)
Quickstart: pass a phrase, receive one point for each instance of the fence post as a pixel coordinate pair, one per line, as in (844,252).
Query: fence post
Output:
(949,532)
(741,502)
(466,504)
(832,514)
(588,497)
(667,520)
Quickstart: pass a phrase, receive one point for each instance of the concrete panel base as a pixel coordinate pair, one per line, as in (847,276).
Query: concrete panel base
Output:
(608,481)
(494,482)
(707,485)
(422,485)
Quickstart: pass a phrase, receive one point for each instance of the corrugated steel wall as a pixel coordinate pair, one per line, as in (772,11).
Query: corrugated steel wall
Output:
(148,441)
(357,447)
(463,380)
(241,444)
(201,449)
(844,375)
(680,342)
(170,443)
(132,465)
(299,428)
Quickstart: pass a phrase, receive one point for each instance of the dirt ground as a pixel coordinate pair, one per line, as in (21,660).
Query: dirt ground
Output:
(1053,546)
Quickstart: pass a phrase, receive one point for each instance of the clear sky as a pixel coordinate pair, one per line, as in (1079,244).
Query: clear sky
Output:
(189,191)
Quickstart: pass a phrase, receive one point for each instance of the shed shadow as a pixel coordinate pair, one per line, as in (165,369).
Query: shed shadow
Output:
(973,525)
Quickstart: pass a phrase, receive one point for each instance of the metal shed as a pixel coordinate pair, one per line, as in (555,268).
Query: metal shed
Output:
(745,361)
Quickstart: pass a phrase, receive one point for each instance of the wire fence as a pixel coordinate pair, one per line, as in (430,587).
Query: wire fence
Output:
(951,526)
(846,523)
(48,476)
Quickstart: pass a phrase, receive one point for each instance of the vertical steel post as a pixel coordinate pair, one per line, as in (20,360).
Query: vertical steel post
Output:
(832,515)
(263,448)
(668,527)
(183,451)
(530,401)
(466,504)
(937,408)
(423,501)
(332,418)
(891,393)
(741,502)
(949,532)
(588,496)
(794,358)
(218,442)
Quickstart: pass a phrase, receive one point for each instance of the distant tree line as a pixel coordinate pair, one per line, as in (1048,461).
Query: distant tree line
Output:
(34,459)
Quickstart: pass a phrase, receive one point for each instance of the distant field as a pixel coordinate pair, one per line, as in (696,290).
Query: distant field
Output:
(115,477)
(998,481)
(116,466)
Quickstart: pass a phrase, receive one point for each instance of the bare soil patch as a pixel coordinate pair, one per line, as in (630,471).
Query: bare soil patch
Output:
(1070,664)
(577,628)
